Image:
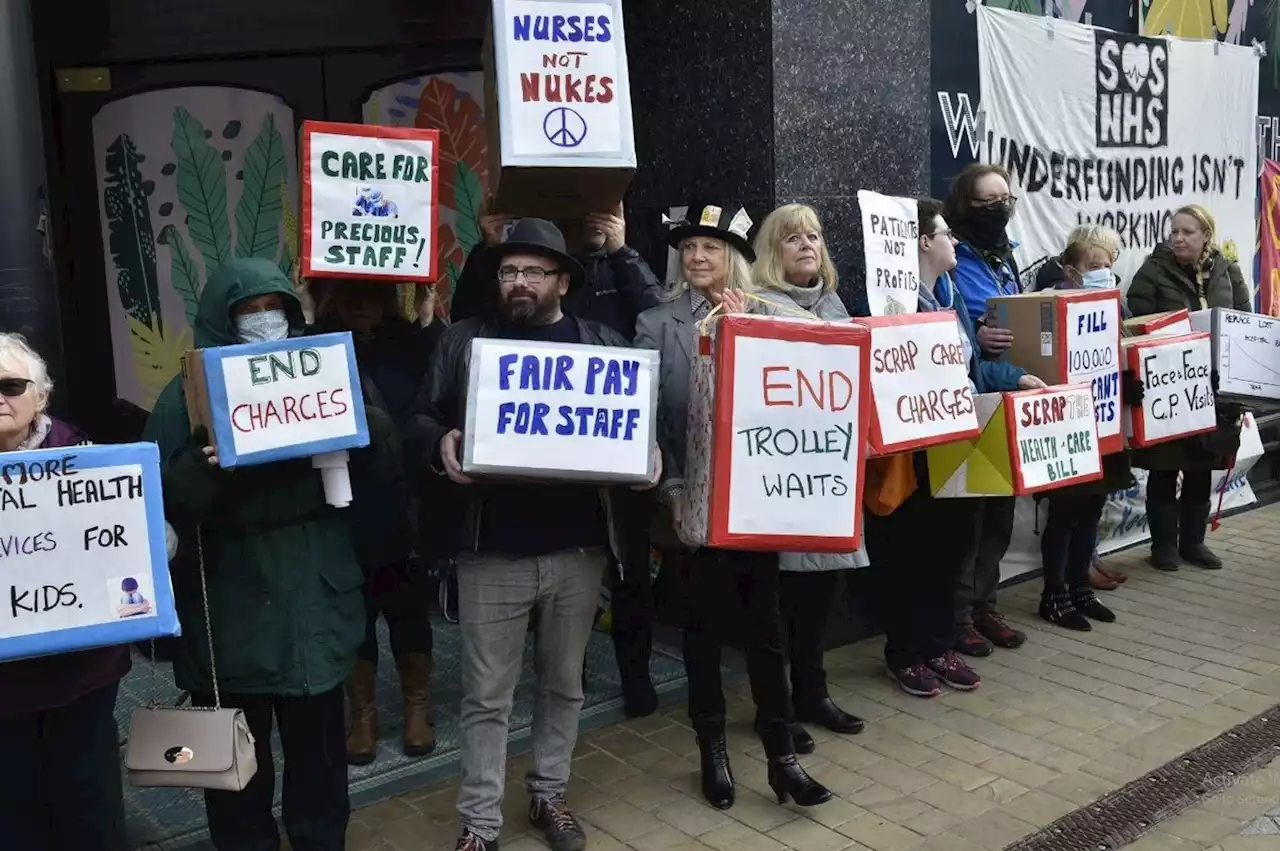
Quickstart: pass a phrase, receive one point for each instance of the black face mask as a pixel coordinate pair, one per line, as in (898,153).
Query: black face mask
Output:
(985,226)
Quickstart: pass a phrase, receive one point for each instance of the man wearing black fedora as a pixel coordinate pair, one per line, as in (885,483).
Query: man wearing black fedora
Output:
(535,549)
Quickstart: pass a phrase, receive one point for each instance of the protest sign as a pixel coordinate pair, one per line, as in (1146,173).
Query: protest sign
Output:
(272,401)
(1167,324)
(1246,353)
(919,377)
(890,233)
(777,435)
(370,201)
(1109,128)
(560,411)
(1177,398)
(83,550)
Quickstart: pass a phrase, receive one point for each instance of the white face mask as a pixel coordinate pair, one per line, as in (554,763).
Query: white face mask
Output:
(1098,279)
(264,326)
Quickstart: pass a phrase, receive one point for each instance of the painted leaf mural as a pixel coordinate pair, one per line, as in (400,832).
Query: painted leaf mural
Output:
(130,239)
(157,357)
(289,252)
(451,259)
(462,132)
(469,203)
(202,189)
(258,213)
(1186,18)
(183,273)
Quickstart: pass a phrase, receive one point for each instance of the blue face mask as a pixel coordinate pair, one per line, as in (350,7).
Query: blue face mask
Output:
(264,326)
(1098,279)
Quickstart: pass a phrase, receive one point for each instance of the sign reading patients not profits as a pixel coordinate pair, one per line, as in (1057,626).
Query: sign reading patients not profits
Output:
(890,236)
(561,411)
(370,201)
(1093,358)
(1055,437)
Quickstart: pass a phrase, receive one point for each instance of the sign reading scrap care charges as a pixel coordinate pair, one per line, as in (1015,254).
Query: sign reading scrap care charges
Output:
(561,411)
(890,232)
(265,402)
(82,550)
(370,201)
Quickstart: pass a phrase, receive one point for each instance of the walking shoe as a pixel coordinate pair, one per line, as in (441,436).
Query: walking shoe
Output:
(1087,602)
(952,670)
(916,679)
(561,829)
(970,642)
(468,841)
(1057,608)
(996,630)
(1201,556)
(1100,580)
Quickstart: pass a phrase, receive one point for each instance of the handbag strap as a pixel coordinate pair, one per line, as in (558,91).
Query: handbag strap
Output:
(208,632)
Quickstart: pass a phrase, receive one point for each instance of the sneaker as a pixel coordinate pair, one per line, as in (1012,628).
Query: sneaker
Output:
(1087,602)
(952,670)
(917,680)
(997,630)
(561,829)
(468,841)
(970,642)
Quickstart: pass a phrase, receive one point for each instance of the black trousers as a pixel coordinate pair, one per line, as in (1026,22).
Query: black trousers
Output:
(711,577)
(316,809)
(805,600)
(1162,486)
(917,554)
(401,593)
(980,576)
(1069,538)
(60,788)
(631,585)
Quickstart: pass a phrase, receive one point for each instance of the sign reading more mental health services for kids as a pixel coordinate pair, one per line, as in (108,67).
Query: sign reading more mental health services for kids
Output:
(561,411)
(1177,398)
(265,402)
(890,233)
(82,550)
(370,201)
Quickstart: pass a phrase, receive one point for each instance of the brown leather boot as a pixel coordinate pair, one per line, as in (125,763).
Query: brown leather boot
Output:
(415,684)
(362,735)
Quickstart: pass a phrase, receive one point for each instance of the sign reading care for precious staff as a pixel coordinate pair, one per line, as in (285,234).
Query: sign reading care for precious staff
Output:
(82,550)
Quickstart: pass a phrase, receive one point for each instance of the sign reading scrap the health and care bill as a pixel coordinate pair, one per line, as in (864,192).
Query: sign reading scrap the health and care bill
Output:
(920,389)
(82,550)
(890,233)
(1055,437)
(561,411)
(265,402)
(1177,398)
(370,201)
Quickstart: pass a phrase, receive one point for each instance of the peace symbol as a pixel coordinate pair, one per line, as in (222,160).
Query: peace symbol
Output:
(564,128)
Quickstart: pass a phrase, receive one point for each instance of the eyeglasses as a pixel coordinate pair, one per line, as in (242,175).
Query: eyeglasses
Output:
(944,232)
(532,274)
(1006,201)
(12,388)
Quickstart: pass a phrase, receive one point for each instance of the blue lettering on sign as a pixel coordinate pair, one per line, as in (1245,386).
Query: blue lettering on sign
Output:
(605,376)
(1106,388)
(573,29)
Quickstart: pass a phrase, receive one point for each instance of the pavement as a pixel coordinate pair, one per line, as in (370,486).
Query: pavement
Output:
(1058,723)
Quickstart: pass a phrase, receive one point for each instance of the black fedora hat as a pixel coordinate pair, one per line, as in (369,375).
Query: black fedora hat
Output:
(729,223)
(539,237)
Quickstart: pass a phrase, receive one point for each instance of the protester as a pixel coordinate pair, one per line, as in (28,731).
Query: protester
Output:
(919,547)
(796,277)
(1189,272)
(979,209)
(537,548)
(283,578)
(60,790)
(715,271)
(1050,275)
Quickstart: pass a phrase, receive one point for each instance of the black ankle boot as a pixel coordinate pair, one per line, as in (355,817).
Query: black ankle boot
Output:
(1193,520)
(1087,603)
(1162,519)
(717,776)
(1056,607)
(801,741)
(825,713)
(789,781)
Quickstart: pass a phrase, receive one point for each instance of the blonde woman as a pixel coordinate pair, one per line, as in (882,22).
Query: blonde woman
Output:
(1105,245)
(1190,271)
(794,275)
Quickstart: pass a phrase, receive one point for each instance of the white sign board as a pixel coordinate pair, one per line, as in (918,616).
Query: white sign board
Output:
(560,411)
(890,237)
(1054,436)
(370,201)
(1177,398)
(1093,358)
(1246,352)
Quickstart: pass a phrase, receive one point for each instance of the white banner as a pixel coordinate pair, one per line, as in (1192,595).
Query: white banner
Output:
(890,232)
(1118,129)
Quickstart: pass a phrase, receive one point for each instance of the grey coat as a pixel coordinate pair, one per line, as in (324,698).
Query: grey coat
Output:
(668,328)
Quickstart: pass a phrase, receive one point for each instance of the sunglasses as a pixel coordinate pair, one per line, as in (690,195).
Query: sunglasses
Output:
(12,388)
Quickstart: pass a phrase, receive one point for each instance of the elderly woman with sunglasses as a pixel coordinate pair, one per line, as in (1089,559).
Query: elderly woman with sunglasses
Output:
(60,790)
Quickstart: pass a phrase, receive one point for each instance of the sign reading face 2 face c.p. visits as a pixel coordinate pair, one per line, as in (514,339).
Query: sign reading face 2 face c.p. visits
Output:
(1054,437)
(1177,398)
(82,550)
(370,201)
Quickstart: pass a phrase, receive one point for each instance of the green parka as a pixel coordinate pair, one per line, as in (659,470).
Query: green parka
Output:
(283,579)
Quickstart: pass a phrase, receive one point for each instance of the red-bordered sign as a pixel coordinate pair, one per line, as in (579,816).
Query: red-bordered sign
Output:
(1107,377)
(1013,403)
(1134,350)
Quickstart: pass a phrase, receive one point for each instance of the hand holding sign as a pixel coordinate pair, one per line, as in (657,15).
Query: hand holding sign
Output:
(1030,382)
(612,225)
(732,301)
(449,458)
(210,455)
(994,340)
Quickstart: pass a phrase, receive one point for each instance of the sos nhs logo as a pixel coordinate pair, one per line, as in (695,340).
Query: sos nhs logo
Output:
(1133,90)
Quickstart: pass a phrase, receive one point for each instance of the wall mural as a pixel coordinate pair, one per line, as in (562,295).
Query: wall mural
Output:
(453,103)
(189,179)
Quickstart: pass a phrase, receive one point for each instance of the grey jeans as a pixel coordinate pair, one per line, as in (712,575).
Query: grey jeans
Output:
(980,571)
(495,598)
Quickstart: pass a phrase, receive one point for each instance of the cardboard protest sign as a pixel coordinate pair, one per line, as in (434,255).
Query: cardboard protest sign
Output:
(1177,398)
(561,140)
(890,232)
(777,435)
(265,402)
(919,378)
(1069,337)
(1246,353)
(82,550)
(1169,323)
(370,201)
(561,411)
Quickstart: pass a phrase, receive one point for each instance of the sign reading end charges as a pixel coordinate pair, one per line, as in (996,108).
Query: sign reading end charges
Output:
(370,201)
(561,411)
(265,402)
(82,550)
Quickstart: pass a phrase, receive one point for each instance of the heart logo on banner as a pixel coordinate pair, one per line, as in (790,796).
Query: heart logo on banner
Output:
(1135,61)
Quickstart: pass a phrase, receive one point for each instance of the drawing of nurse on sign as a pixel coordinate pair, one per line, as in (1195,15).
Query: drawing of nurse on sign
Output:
(133,603)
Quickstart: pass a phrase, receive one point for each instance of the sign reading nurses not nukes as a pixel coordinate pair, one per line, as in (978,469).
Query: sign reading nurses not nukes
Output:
(890,231)
(370,201)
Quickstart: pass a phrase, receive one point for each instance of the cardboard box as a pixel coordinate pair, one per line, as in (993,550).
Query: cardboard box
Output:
(1246,354)
(1177,399)
(1170,322)
(561,411)
(1069,337)
(558,102)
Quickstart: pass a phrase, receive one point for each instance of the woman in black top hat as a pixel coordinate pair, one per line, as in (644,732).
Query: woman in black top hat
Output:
(715,270)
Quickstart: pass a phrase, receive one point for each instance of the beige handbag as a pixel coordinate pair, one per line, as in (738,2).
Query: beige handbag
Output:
(191,747)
